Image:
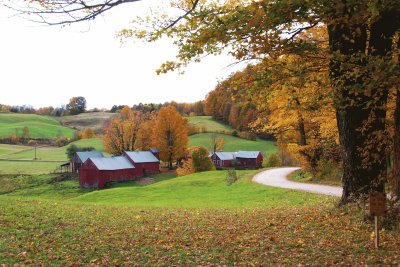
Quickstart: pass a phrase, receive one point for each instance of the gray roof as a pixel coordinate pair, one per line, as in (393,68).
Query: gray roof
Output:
(247,154)
(84,155)
(141,156)
(154,150)
(112,164)
(226,155)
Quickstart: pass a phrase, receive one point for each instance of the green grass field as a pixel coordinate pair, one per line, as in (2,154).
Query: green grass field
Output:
(209,123)
(197,220)
(39,126)
(94,120)
(202,190)
(234,143)
(42,154)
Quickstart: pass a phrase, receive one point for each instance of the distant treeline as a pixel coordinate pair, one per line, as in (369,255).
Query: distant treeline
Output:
(185,109)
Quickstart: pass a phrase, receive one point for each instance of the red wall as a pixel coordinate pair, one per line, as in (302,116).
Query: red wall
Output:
(91,177)
(257,162)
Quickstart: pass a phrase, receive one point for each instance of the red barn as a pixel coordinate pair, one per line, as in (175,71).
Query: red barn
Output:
(96,172)
(223,159)
(145,162)
(249,158)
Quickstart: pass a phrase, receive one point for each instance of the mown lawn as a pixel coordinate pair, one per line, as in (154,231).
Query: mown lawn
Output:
(39,126)
(42,232)
(234,143)
(209,123)
(202,190)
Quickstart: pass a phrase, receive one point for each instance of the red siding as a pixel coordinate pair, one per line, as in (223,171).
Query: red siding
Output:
(91,177)
(220,163)
(257,162)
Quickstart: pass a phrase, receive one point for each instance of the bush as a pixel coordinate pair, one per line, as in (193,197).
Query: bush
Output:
(186,168)
(274,160)
(72,149)
(231,177)
(234,133)
(201,160)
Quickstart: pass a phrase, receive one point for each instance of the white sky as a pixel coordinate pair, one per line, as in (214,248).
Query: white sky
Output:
(43,66)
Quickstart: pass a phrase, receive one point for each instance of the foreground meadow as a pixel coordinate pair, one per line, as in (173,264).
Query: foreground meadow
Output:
(197,220)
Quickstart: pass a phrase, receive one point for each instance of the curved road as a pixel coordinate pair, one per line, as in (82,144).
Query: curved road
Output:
(278,178)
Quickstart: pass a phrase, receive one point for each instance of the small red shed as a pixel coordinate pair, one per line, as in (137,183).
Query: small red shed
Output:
(96,172)
(249,158)
(145,162)
(223,159)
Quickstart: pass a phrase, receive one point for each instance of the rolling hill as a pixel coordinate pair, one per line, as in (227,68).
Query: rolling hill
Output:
(39,126)
(94,120)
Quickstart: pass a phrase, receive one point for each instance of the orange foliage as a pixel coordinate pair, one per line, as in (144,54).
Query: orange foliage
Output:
(170,134)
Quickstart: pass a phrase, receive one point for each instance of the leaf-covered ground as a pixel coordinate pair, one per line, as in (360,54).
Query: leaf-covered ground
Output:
(40,232)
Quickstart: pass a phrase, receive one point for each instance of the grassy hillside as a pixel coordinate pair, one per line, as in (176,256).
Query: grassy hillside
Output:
(234,143)
(39,126)
(206,190)
(239,225)
(94,120)
(42,153)
(209,123)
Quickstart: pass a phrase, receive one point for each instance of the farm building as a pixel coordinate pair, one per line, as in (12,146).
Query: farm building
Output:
(246,159)
(249,158)
(155,152)
(223,159)
(145,161)
(80,157)
(96,172)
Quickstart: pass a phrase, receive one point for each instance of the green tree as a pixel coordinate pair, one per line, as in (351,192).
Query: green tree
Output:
(201,160)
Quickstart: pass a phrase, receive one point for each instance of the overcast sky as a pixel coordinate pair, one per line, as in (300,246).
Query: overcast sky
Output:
(43,66)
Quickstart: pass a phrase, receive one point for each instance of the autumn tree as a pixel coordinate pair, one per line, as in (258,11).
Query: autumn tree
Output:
(76,105)
(25,133)
(170,134)
(88,133)
(144,140)
(121,132)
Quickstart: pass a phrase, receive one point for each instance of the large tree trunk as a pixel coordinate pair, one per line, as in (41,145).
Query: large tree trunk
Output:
(396,148)
(361,110)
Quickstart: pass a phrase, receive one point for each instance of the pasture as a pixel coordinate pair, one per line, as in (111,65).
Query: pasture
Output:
(208,123)
(94,120)
(39,126)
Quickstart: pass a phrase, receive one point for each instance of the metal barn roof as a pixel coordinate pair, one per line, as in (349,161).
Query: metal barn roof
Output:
(154,150)
(247,154)
(112,164)
(84,155)
(141,156)
(226,155)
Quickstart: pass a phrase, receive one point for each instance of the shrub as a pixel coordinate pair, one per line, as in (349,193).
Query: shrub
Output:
(234,133)
(72,149)
(231,177)
(186,168)
(274,160)
(201,160)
